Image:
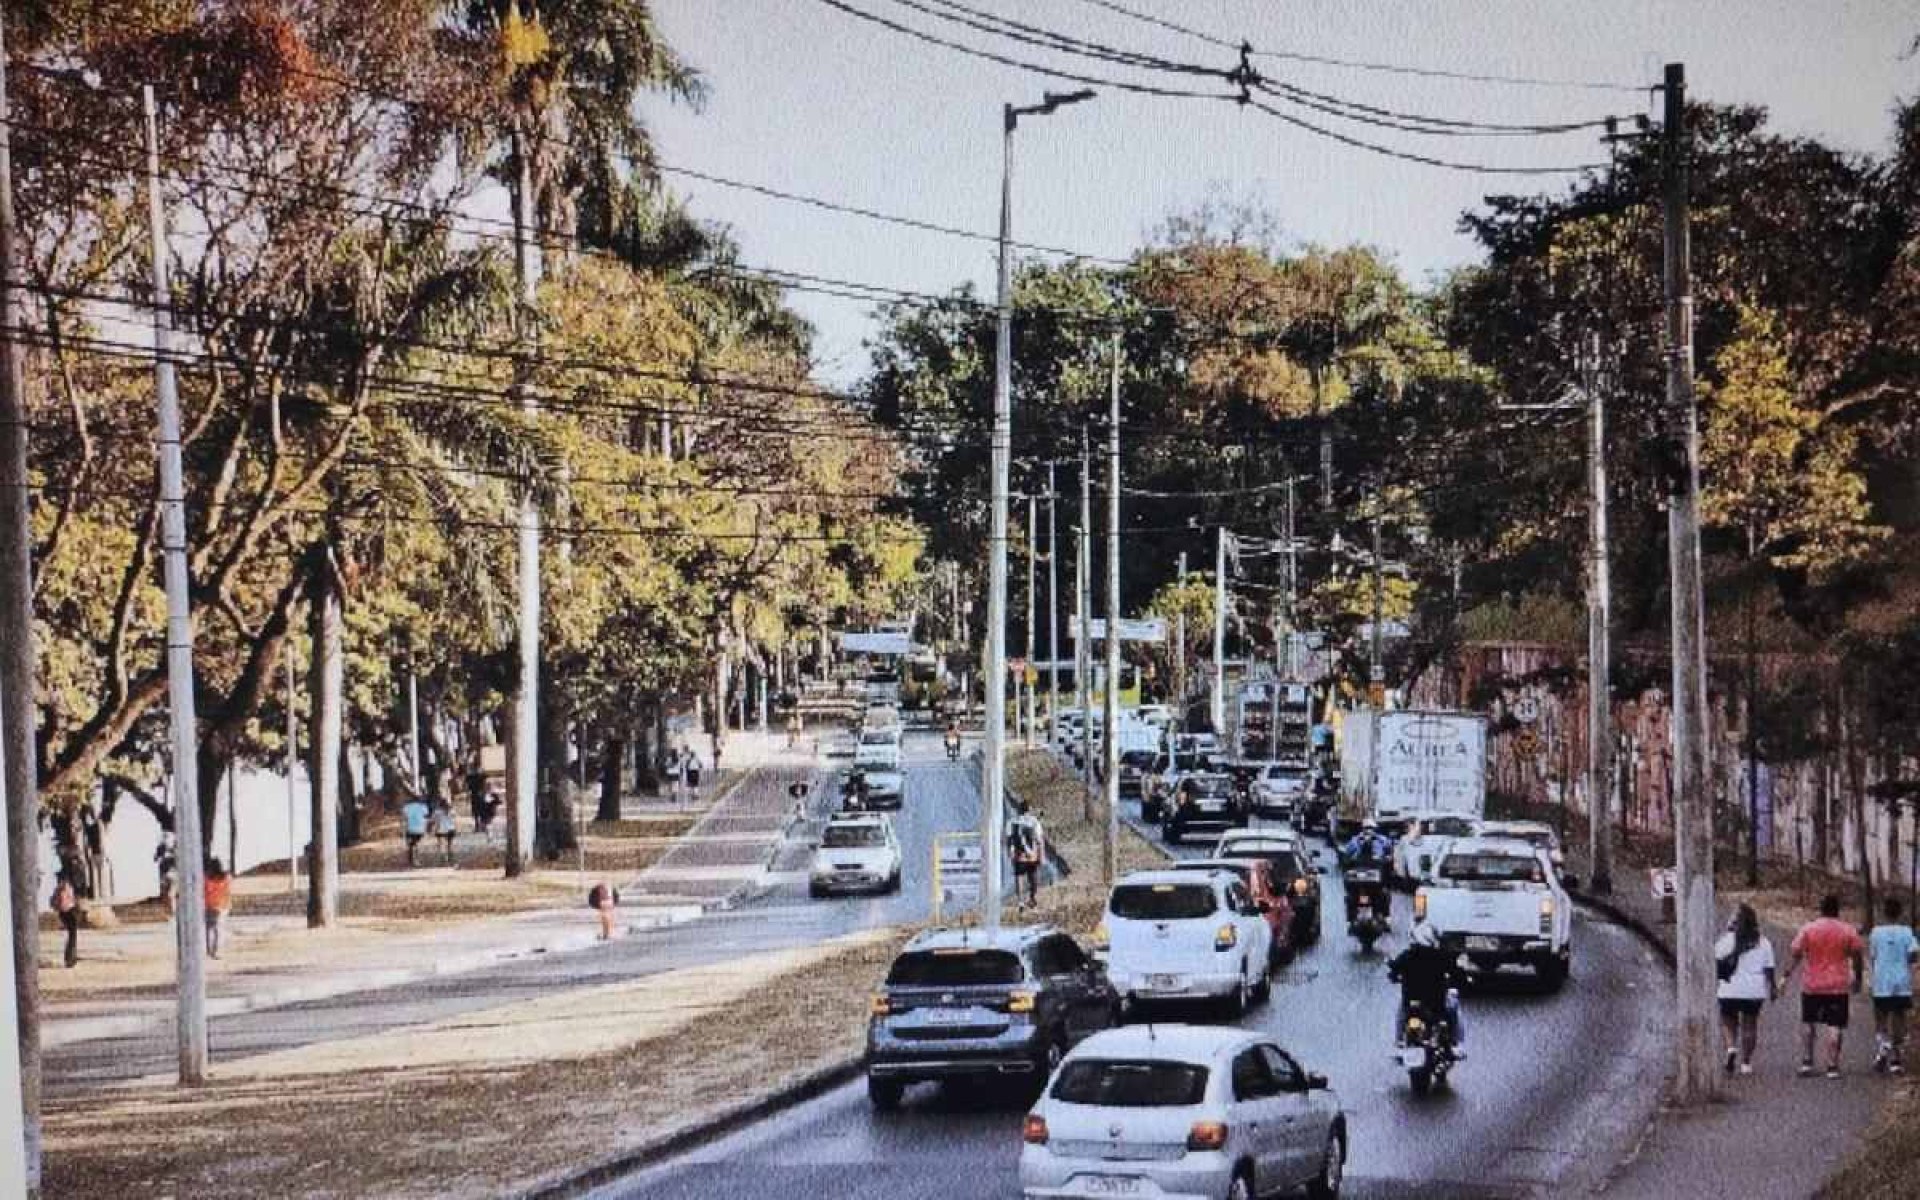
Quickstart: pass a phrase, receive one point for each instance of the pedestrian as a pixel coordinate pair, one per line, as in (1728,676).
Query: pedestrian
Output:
(164,860)
(1026,841)
(444,827)
(413,822)
(793,730)
(690,774)
(1894,950)
(477,800)
(603,900)
(1743,958)
(65,903)
(1835,956)
(219,894)
(489,809)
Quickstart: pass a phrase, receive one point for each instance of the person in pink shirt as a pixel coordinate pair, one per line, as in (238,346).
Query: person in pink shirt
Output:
(1835,958)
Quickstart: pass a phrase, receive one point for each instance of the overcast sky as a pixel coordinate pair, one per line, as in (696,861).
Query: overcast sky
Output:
(810,99)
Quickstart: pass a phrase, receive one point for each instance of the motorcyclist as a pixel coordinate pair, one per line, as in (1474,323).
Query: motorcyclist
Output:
(1430,977)
(953,739)
(1368,848)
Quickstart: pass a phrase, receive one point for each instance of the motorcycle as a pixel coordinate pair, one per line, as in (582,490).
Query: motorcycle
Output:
(1427,1050)
(1368,906)
(953,748)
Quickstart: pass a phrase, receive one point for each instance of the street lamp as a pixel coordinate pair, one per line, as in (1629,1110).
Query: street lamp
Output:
(994,769)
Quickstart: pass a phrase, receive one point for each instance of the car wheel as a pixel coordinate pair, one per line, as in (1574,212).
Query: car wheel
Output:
(1242,998)
(1263,990)
(885,1094)
(1553,972)
(1169,836)
(1242,1186)
(1333,1169)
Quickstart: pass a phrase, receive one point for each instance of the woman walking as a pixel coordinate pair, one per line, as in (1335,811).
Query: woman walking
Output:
(1744,961)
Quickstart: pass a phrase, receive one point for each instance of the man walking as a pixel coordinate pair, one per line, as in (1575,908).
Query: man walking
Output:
(66,906)
(1834,955)
(1893,950)
(1026,841)
(413,819)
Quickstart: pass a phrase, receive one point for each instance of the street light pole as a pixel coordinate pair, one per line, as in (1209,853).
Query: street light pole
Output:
(1218,708)
(1112,755)
(993,775)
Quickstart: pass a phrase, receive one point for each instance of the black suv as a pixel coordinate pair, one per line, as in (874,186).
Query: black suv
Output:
(968,1003)
(1202,803)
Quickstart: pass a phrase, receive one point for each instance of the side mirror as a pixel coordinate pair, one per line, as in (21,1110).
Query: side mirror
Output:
(1570,882)
(1316,1082)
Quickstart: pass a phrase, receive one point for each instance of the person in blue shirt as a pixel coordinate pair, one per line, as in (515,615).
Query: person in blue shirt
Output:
(413,820)
(1369,845)
(1892,950)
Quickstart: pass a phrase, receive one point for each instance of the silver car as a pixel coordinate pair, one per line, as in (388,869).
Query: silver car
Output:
(1182,1111)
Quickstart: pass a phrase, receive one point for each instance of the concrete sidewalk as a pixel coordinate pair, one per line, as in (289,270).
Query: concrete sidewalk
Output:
(723,857)
(1773,1136)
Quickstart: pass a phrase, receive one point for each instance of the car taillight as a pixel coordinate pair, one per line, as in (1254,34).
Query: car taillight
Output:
(880,1006)
(1419,906)
(1546,914)
(1101,938)
(1207,1135)
(1034,1131)
(1226,937)
(1020,1002)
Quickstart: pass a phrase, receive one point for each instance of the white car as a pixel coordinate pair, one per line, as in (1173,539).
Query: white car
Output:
(1535,833)
(1183,1111)
(1280,789)
(1427,838)
(1499,902)
(857,853)
(1178,935)
(886,787)
(878,748)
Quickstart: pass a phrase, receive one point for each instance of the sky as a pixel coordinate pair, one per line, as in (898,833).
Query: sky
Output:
(809,99)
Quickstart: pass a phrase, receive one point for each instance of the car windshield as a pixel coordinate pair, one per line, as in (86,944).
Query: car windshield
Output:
(1208,785)
(1542,838)
(954,967)
(1450,826)
(1490,868)
(1161,902)
(844,837)
(877,737)
(1286,775)
(1136,758)
(1118,1083)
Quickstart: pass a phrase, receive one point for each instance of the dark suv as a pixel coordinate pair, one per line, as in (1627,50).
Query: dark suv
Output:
(1202,803)
(1134,768)
(968,1003)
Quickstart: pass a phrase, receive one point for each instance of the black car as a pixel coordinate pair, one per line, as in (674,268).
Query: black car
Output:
(968,1003)
(1202,803)
(1134,766)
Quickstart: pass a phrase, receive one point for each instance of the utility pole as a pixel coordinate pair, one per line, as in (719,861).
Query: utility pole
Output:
(1180,651)
(1697,1075)
(1218,706)
(413,726)
(1599,622)
(523,742)
(190,904)
(1053,605)
(1377,663)
(1027,674)
(1084,656)
(19,756)
(1112,756)
(1283,627)
(293,758)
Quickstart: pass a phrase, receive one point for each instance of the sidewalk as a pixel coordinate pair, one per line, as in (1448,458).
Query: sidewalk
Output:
(1774,1136)
(124,984)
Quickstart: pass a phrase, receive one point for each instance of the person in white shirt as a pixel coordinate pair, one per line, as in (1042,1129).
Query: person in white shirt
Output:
(1743,958)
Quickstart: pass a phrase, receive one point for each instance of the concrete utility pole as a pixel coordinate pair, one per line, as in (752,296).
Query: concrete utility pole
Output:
(1377,663)
(1112,773)
(19,670)
(1599,621)
(1027,688)
(189,906)
(1053,605)
(1084,601)
(523,740)
(1697,1073)
(1180,651)
(1218,707)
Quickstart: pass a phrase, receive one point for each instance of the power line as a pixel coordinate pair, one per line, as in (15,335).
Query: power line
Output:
(1413,157)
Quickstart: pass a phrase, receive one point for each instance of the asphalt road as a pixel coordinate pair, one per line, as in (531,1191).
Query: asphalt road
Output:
(940,796)
(1555,1089)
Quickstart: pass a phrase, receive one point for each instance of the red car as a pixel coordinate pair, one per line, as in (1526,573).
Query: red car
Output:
(1257,873)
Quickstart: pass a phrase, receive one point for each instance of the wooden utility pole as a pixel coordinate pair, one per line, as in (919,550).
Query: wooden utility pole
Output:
(190,905)
(19,857)
(1599,648)
(1697,1071)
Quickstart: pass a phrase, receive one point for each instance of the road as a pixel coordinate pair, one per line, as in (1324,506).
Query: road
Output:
(1554,1090)
(940,796)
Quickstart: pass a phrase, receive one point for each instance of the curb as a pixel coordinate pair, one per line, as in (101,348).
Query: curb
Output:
(1620,916)
(687,1137)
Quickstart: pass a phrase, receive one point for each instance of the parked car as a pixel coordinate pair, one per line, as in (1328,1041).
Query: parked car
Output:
(1270,899)
(1426,840)
(1175,935)
(1182,1110)
(1294,872)
(1203,803)
(1499,902)
(1280,790)
(857,853)
(972,1003)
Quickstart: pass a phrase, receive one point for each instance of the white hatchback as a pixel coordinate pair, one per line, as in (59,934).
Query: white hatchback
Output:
(859,853)
(1183,1111)
(1179,935)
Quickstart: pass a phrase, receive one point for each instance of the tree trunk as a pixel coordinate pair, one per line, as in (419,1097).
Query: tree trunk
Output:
(350,798)
(553,832)
(613,757)
(1851,754)
(326,684)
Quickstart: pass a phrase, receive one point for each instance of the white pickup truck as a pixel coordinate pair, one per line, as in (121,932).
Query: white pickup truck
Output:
(1499,903)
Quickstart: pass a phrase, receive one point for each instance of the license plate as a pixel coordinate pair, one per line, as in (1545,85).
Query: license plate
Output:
(1164,982)
(1113,1185)
(1413,1056)
(1483,943)
(947,1016)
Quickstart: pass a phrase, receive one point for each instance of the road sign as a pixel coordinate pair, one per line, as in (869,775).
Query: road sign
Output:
(1132,629)
(956,873)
